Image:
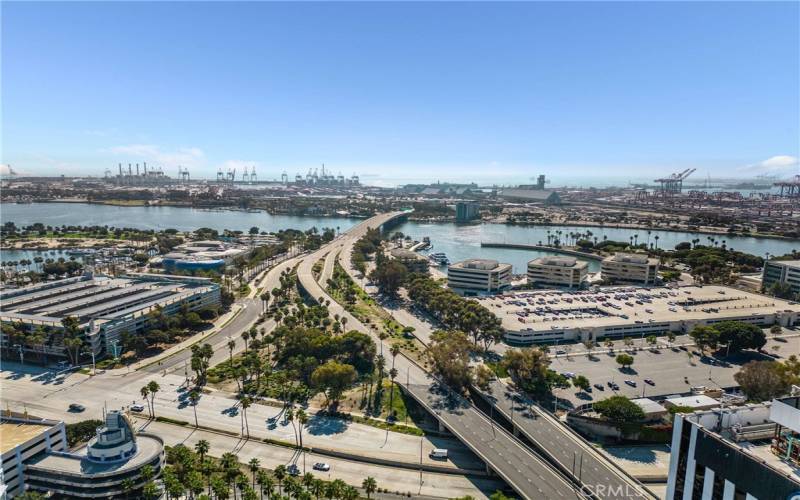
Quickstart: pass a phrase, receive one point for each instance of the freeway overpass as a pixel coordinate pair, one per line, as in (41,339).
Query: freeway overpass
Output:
(560,445)
(523,470)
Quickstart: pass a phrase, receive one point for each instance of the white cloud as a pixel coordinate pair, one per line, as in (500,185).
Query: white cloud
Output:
(185,157)
(774,164)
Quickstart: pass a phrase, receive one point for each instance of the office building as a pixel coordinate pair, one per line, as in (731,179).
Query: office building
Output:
(467,211)
(785,272)
(630,268)
(35,457)
(478,276)
(741,452)
(105,307)
(414,262)
(557,271)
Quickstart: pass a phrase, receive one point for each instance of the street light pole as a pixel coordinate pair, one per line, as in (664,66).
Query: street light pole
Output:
(21,355)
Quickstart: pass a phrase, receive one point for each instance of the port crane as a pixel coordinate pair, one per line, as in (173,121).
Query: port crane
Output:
(674,183)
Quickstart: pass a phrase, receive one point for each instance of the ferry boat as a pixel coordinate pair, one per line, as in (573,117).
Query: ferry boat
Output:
(439,258)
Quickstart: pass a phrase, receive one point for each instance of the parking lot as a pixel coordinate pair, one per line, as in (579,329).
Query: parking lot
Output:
(672,370)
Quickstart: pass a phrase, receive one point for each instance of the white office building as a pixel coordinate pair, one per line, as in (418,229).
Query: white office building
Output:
(743,452)
(630,268)
(478,276)
(557,271)
(785,272)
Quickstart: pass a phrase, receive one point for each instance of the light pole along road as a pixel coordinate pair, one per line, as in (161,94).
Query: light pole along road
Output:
(524,471)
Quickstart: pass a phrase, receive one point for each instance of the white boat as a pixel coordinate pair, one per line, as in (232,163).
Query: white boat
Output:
(439,258)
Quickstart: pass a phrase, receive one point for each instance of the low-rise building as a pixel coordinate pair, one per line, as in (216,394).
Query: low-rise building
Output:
(653,411)
(524,195)
(784,272)
(630,268)
(104,307)
(748,452)
(478,276)
(203,255)
(35,457)
(414,262)
(696,402)
(557,271)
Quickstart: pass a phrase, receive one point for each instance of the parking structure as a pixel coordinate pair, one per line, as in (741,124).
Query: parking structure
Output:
(549,316)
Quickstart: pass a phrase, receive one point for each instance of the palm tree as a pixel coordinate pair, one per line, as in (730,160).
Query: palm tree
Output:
(392,376)
(280,475)
(370,485)
(201,448)
(302,419)
(289,417)
(308,480)
(262,478)
(253,465)
(145,391)
(194,397)
(231,347)
(153,387)
(245,337)
(350,493)
(245,402)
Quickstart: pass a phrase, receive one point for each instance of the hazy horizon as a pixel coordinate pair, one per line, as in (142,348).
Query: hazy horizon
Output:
(498,93)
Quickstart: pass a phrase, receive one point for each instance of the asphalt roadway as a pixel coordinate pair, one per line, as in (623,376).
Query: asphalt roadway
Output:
(251,308)
(521,469)
(562,444)
(589,466)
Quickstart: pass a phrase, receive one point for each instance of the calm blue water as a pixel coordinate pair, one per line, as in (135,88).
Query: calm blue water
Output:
(463,241)
(457,241)
(182,219)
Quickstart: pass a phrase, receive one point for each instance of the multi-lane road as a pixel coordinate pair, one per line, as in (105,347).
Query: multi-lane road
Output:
(527,473)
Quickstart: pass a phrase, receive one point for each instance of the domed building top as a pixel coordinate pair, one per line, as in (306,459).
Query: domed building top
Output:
(114,441)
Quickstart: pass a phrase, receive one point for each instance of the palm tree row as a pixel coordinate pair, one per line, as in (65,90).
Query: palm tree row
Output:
(193,474)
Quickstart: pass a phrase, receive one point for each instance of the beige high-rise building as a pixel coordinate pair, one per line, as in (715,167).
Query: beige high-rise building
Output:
(630,268)
(557,271)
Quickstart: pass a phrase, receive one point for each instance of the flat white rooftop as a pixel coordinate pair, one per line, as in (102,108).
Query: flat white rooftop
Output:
(554,309)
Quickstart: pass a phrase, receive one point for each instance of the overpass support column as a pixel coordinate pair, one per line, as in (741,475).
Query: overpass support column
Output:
(442,428)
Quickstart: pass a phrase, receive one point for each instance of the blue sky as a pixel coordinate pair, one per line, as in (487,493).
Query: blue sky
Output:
(394,91)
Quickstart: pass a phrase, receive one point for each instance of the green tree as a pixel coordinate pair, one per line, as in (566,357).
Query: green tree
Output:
(705,337)
(762,380)
(737,335)
(449,353)
(619,410)
(581,382)
(625,360)
(370,485)
(333,378)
